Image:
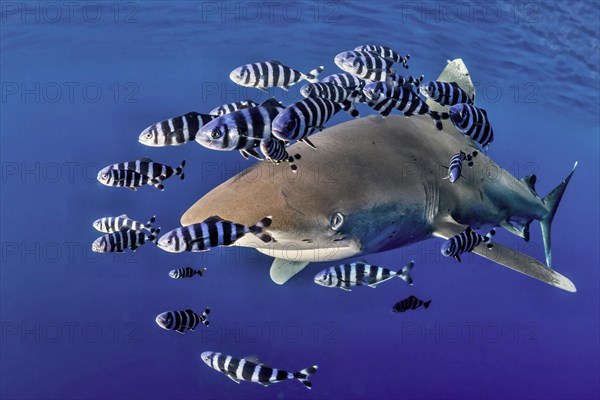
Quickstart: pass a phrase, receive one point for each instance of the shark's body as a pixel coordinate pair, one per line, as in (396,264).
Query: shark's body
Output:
(377,184)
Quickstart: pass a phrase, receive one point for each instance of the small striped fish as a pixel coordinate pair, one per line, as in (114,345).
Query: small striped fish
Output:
(212,232)
(274,151)
(180,321)
(385,52)
(410,303)
(122,222)
(369,66)
(145,166)
(455,168)
(473,122)
(396,79)
(231,107)
(343,57)
(344,79)
(305,117)
(333,92)
(127,178)
(240,130)
(385,97)
(117,242)
(186,272)
(268,74)
(346,276)
(465,242)
(254,371)
(446,93)
(174,131)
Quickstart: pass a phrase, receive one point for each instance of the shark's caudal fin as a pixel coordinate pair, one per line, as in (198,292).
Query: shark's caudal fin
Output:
(508,257)
(551,201)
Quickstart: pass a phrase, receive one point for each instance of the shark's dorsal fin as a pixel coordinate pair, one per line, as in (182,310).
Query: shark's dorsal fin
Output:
(530,181)
(282,270)
(446,228)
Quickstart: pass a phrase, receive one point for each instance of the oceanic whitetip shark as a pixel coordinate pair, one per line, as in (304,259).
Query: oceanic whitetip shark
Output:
(375,184)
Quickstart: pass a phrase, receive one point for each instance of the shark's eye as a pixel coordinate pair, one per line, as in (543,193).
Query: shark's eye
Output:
(337,220)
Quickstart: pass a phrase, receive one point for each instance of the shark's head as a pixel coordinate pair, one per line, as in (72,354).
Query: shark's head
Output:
(165,320)
(221,133)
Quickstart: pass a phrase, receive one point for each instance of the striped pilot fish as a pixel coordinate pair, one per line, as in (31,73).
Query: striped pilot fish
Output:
(127,178)
(231,107)
(240,130)
(305,117)
(212,232)
(333,92)
(117,242)
(145,166)
(396,79)
(263,75)
(252,370)
(180,321)
(174,131)
(410,303)
(122,222)
(344,79)
(465,242)
(455,168)
(368,66)
(446,93)
(385,97)
(385,52)
(346,276)
(186,272)
(274,151)
(473,122)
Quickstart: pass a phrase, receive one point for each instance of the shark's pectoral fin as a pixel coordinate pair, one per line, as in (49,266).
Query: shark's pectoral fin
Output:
(282,270)
(508,257)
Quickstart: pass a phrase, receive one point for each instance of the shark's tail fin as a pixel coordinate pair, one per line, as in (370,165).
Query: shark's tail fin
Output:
(551,201)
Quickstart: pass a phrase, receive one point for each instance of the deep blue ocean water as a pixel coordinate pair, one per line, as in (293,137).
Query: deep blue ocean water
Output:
(81,80)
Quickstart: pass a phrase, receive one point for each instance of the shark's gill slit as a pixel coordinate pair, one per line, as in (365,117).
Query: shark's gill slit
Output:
(337,220)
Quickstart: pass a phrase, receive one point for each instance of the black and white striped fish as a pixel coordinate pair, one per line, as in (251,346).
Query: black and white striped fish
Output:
(346,276)
(455,168)
(344,79)
(186,272)
(180,321)
(385,97)
(231,107)
(410,303)
(368,66)
(240,130)
(145,166)
(174,131)
(396,79)
(385,52)
(127,178)
(446,93)
(274,151)
(252,370)
(473,122)
(272,73)
(117,242)
(122,222)
(305,117)
(333,92)
(465,242)
(212,232)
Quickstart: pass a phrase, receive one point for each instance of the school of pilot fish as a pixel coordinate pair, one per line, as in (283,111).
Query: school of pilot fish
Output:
(265,131)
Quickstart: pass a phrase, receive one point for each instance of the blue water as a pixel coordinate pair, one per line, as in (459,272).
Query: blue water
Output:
(79,82)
